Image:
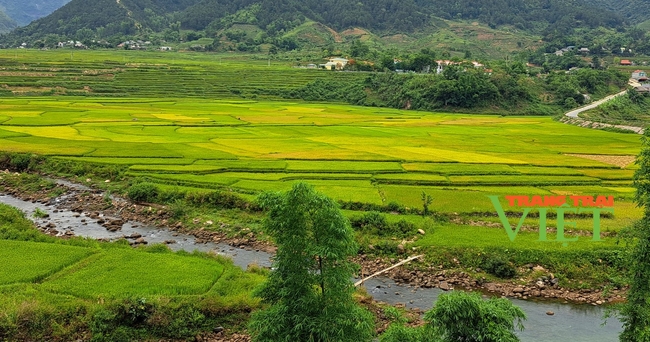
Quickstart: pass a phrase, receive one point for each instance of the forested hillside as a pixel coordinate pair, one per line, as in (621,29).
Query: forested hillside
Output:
(83,19)
(396,15)
(6,23)
(26,11)
(533,15)
(635,11)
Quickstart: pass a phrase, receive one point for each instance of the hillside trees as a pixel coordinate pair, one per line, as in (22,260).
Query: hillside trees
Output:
(309,291)
(636,312)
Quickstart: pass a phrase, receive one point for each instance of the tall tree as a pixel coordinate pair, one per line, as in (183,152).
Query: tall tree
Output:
(310,288)
(636,312)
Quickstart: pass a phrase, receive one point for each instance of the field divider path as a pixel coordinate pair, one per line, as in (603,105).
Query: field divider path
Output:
(572,117)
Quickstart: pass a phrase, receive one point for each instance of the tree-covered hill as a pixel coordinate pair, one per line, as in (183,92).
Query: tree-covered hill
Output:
(635,11)
(26,11)
(398,15)
(6,23)
(102,19)
(534,15)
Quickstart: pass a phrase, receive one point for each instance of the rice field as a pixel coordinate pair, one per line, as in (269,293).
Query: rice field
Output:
(180,120)
(31,262)
(356,154)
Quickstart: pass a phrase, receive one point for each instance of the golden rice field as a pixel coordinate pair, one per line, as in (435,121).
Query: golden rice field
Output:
(360,154)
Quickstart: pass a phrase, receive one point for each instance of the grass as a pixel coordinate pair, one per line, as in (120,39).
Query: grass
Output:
(464,236)
(119,273)
(32,262)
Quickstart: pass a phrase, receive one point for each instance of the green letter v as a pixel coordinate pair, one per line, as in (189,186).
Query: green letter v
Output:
(504,220)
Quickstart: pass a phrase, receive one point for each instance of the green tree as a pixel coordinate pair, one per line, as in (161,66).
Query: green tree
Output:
(358,49)
(463,316)
(426,201)
(309,291)
(635,312)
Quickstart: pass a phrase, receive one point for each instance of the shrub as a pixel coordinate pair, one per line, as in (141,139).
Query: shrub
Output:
(178,209)
(499,267)
(395,207)
(465,316)
(375,223)
(143,192)
(372,222)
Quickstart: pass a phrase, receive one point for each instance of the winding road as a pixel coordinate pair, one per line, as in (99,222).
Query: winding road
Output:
(574,113)
(574,119)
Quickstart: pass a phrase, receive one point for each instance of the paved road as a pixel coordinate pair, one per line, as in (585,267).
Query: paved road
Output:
(574,113)
(574,119)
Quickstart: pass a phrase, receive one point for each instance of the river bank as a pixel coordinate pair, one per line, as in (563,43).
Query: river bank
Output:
(116,214)
(79,210)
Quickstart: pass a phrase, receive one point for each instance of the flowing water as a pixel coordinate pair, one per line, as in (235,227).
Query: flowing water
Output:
(570,323)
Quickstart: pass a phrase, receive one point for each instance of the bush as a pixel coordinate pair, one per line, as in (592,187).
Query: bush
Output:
(499,267)
(465,316)
(372,222)
(18,161)
(178,209)
(395,207)
(143,192)
(400,333)
(219,199)
(375,223)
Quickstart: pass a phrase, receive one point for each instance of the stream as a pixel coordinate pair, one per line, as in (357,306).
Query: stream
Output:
(571,322)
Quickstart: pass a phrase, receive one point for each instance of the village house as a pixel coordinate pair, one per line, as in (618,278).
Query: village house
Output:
(639,75)
(335,63)
(626,62)
(444,63)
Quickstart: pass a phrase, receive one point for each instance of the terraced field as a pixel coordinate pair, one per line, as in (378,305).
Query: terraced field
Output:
(354,154)
(149,74)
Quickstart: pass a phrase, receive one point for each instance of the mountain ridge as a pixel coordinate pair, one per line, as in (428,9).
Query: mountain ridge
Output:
(103,19)
(24,12)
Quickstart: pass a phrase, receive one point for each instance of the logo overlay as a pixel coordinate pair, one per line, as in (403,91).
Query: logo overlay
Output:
(561,205)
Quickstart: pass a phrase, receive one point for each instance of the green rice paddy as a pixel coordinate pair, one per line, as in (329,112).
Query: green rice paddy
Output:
(351,153)
(179,119)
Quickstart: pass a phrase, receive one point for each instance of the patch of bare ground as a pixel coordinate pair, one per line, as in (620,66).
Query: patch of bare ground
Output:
(31,90)
(222,336)
(485,36)
(336,35)
(355,32)
(397,38)
(25,74)
(101,72)
(620,161)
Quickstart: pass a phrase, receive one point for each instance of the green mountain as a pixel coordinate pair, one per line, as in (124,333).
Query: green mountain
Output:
(532,15)
(274,19)
(635,11)
(26,11)
(6,23)
(108,17)
(399,15)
